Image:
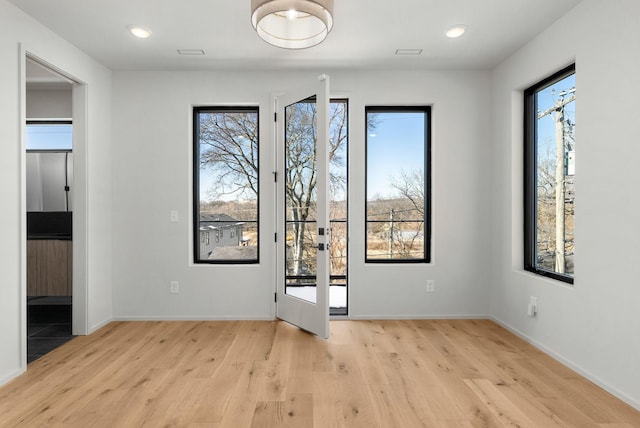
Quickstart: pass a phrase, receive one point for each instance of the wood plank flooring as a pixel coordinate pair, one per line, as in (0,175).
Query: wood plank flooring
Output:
(444,374)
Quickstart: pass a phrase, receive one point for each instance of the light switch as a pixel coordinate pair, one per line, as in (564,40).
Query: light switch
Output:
(174,216)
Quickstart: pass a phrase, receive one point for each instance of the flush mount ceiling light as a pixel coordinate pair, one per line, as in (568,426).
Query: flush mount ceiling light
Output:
(292,24)
(140,32)
(456,31)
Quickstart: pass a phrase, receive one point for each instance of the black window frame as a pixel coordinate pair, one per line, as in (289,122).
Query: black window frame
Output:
(426,109)
(333,311)
(530,175)
(196,184)
(342,311)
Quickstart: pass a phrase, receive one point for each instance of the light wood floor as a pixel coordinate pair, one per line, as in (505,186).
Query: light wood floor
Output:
(270,374)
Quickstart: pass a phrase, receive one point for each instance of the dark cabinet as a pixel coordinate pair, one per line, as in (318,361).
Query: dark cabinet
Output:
(49,267)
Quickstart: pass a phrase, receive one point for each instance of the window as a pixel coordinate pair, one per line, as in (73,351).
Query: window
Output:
(225,183)
(49,165)
(398,184)
(549,172)
(43,135)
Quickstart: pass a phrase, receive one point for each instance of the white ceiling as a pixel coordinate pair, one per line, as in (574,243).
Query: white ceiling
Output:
(366,33)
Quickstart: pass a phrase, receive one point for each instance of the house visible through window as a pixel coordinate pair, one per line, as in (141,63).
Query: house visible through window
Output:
(225,184)
(549,173)
(398,184)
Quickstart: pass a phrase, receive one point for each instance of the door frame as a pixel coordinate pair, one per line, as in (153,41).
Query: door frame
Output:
(313,317)
(80,202)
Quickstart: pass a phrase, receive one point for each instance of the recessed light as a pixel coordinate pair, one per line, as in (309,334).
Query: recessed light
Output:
(456,31)
(140,32)
(190,51)
(408,51)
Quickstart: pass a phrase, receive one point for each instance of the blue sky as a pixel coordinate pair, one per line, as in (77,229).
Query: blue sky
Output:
(395,145)
(49,137)
(546,125)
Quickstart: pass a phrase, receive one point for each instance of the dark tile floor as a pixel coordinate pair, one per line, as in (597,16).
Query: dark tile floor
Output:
(48,325)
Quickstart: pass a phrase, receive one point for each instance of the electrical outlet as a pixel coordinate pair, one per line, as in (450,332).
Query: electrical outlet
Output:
(532,309)
(431,286)
(175,287)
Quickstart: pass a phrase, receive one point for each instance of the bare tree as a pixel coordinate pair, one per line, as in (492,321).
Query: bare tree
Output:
(410,185)
(301,177)
(229,150)
(410,189)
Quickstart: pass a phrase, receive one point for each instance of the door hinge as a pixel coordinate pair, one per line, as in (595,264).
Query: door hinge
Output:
(275,117)
(275,176)
(275,237)
(275,297)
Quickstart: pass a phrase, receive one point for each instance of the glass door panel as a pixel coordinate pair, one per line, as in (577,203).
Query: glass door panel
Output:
(301,259)
(303,271)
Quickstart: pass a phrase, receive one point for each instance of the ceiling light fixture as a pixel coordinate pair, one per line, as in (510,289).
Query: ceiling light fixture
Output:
(456,31)
(140,32)
(292,24)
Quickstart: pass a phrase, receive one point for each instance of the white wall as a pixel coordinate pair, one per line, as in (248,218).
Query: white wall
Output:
(594,325)
(152,175)
(20,33)
(49,104)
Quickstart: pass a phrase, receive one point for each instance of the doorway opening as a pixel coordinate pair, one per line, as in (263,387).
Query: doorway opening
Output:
(51,100)
(301,228)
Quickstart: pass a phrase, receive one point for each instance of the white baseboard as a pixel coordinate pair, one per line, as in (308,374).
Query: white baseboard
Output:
(416,317)
(567,362)
(11,376)
(189,318)
(99,326)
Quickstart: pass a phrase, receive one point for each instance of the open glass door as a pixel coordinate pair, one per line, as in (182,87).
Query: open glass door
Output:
(303,208)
